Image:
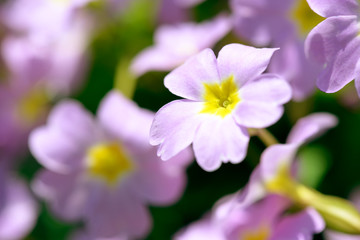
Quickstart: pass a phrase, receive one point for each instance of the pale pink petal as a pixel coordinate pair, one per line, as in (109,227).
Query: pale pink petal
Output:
(328,8)
(156,59)
(188,80)
(276,157)
(267,88)
(292,64)
(243,62)
(61,144)
(253,191)
(174,127)
(219,140)
(203,229)
(264,212)
(300,226)
(65,194)
(257,114)
(19,213)
(159,182)
(330,37)
(111,213)
(122,119)
(334,44)
(341,70)
(310,127)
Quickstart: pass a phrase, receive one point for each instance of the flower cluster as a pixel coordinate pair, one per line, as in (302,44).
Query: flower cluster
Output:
(84,155)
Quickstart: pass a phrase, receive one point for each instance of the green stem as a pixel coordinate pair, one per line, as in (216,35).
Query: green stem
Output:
(264,135)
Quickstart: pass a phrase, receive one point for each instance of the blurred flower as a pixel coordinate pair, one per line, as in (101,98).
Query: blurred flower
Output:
(335,44)
(18,209)
(57,64)
(282,24)
(279,158)
(22,107)
(39,72)
(224,97)
(275,175)
(41,19)
(175,44)
(104,171)
(265,220)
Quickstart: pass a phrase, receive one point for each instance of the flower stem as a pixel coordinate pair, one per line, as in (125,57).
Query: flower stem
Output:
(265,136)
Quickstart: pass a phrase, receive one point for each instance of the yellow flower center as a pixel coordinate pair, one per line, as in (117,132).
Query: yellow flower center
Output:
(108,162)
(31,106)
(262,233)
(284,183)
(305,18)
(220,99)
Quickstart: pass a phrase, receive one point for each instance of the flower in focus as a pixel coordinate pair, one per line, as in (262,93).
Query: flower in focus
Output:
(103,170)
(335,44)
(263,220)
(175,44)
(18,208)
(224,97)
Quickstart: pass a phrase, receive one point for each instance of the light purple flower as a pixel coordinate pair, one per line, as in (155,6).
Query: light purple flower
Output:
(175,44)
(280,157)
(18,209)
(283,24)
(291,63)
(261,220)
(224,97)
(335,43)
(22,108)
(103,170)
(41,19)
(57,64)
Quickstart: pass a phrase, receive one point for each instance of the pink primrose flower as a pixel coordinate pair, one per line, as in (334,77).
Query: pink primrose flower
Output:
(224,97)
(279,158)
(175,44)
(265,220)
(18,208)
(335,43)
(103,170)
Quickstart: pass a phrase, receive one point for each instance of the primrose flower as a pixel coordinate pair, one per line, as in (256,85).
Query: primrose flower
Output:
(283,24)
(104,171)
(224,97)
(18,209)
(277,161)
(335,44)
(175,44)
(41,19)
(264,220)
(276,174)
(56,64)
